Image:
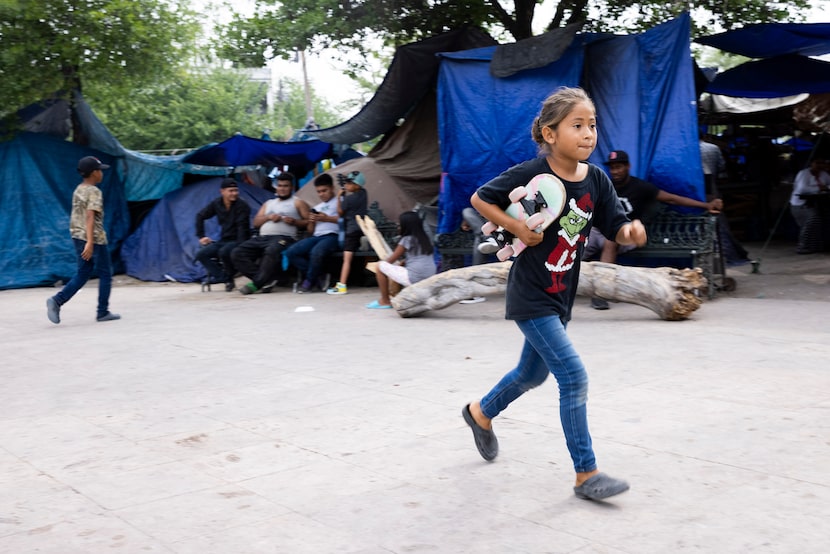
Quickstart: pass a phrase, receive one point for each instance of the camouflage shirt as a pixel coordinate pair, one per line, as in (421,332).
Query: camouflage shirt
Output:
(87,197)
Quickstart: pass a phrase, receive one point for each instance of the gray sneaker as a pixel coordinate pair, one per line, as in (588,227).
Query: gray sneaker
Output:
(599,303)
(109,316)
(53,310)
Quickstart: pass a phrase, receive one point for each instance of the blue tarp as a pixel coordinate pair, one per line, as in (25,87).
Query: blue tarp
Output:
(643,87)
(766,40)
(785,70)
(39,178)
(786,75)
(240,150)
(166,244)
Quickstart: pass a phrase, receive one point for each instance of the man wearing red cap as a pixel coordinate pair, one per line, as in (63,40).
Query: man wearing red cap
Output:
(639,199)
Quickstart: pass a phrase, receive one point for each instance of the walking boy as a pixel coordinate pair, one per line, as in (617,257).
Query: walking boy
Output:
(86,227)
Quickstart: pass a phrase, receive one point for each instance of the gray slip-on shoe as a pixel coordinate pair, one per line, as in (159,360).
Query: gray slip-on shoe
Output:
(600,487)
(53,310)
(486,441)
(109,316)
(599,303)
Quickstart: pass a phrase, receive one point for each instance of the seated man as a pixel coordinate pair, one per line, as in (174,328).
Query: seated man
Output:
(278,220)
(812,180)
(309,254)
(234,218)
(639,199)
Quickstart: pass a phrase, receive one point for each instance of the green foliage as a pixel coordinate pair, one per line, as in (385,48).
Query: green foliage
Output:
(198,108)
(708,16)
(281,27)
(54,46)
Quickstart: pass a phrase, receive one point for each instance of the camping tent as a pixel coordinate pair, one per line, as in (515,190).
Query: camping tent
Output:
(164,245)
(643,88)
(37,167)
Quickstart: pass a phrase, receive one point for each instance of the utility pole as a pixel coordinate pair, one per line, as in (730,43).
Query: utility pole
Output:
(309,111)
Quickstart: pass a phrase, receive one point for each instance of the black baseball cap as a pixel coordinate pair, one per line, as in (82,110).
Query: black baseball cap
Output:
(89,164)
(617,157)
(228,182)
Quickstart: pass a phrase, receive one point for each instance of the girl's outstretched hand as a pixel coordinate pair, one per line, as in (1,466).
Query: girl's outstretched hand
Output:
(632,233)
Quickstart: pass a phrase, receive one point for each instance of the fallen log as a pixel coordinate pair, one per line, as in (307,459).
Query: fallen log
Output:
(670,293)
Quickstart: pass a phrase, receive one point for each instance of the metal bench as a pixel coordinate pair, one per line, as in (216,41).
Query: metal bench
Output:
(454,247)
(673,237)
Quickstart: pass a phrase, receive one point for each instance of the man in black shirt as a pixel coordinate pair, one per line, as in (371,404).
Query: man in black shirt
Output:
(640,199)
(234,218)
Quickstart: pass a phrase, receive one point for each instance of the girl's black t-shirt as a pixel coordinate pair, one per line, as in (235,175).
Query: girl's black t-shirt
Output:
(543,278)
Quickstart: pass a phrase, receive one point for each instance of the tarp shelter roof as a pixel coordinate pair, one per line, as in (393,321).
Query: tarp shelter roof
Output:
(411,74)
(239,150)
(766,40)
(774,77)
(643,89)
(785,68)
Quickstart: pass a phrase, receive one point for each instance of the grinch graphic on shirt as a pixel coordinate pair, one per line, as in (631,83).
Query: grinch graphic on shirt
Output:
(564,255)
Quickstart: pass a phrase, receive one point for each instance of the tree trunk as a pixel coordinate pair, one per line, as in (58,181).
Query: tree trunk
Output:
(670,293)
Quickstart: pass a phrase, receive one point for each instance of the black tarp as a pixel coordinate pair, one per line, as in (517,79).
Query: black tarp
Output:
(411,75)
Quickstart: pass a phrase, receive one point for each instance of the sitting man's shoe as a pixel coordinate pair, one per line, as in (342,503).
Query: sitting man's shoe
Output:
(304,287)
(489,246)
(268,287)
(248,288)
(599,304)
(339,288)
(53,310)
(109,316)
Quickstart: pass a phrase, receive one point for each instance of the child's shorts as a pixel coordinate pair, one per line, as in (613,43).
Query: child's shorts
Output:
(351,243)
(397,273)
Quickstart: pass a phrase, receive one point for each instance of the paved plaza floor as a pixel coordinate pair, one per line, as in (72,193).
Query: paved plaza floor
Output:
(287,423)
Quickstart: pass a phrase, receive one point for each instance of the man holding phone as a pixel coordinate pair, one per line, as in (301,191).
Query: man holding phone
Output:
(309,254)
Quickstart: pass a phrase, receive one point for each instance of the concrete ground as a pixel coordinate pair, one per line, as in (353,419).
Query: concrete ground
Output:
(286,423)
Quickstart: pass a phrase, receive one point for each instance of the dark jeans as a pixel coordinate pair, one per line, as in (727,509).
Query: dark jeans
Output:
(216,259)
(101,262)
(309,255)
(260,258)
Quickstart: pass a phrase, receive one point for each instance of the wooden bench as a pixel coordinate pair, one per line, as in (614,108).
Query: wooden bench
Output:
(673,237)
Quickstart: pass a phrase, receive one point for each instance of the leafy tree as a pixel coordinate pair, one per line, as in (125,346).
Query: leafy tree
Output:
(56,46)
(198,108)
(280,27)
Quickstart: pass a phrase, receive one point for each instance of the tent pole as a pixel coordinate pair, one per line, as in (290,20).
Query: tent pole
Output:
(757,262)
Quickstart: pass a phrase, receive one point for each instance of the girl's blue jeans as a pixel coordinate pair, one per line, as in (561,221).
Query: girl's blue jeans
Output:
(547,349)
(101,262)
